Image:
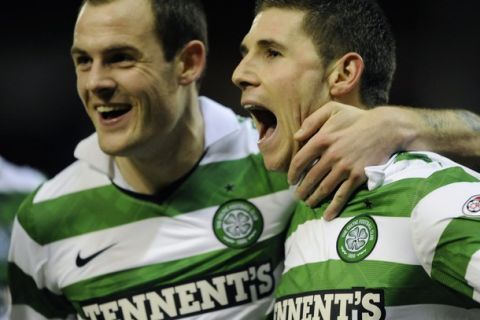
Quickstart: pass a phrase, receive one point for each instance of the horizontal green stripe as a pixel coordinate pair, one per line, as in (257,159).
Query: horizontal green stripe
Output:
(402,156)
(402,284)
(106,207)
(454,250)
(25,291)
(396,199)
(170,273)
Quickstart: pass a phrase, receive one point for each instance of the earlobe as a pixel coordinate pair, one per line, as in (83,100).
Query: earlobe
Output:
(192,61)
(346,75)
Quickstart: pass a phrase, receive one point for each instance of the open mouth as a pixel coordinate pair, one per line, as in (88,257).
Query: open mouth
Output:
(111,112)
(266,120)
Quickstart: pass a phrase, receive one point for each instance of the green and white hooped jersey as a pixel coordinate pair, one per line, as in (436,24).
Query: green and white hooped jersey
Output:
(212,249)
(420,219)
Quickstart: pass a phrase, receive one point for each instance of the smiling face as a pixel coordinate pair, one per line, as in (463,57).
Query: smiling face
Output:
(128,89)
(282,80)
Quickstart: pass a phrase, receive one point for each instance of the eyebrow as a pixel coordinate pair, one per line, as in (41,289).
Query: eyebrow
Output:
(108,50)
(264,43)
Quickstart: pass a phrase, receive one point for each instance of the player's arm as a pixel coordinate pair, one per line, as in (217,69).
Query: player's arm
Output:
(32,295)
(453,133)
(341,140)
(445,227)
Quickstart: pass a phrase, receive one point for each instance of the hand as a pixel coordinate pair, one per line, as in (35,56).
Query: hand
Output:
(342,141)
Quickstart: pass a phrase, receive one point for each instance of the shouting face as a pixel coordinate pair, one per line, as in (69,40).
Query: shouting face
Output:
(282,80)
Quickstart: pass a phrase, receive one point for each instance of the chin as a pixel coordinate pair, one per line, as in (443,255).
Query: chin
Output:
(112,147)
(276,164)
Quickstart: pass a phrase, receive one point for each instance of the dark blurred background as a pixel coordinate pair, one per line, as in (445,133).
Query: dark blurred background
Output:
(42,119)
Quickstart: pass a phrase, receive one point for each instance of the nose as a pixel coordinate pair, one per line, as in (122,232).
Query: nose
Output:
(244,75)
(100,82)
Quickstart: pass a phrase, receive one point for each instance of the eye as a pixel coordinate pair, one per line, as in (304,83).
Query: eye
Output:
(271,53)
(121,59)
(82,61)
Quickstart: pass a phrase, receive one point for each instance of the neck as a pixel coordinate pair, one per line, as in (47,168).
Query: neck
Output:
(167,160)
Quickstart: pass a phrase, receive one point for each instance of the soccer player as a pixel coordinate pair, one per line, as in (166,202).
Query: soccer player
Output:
(406,244)
(168,211)
(16,182)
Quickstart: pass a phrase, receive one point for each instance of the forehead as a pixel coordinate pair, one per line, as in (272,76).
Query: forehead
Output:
(280,25)
(120,20)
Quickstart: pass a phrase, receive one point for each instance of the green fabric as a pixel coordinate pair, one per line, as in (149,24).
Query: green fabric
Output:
(216,262)
(89,210)
(401,284)
(453,274)
(407,284)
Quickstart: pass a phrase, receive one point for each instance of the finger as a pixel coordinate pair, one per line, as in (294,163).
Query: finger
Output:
(303,161)
(326,187)
(312,123)
(342,196)
(311,180)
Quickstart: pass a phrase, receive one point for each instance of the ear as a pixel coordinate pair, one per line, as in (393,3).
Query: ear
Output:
(192,60)
(346,75)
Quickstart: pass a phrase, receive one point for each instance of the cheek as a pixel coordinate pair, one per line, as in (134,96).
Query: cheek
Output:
(81,91)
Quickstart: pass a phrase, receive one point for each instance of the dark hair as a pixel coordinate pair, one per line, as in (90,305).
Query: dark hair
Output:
(341,26)
(176,22)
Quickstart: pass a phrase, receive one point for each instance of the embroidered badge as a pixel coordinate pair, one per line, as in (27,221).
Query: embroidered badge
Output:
(238,223)
(357,239)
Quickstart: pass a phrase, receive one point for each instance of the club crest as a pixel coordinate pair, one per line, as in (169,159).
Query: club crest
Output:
(357,239)
(238,223)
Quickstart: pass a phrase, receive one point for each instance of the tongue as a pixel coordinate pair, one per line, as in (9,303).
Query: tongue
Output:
(114,114)
(268,132)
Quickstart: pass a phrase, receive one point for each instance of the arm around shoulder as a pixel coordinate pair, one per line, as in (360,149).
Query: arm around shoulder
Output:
(453,133)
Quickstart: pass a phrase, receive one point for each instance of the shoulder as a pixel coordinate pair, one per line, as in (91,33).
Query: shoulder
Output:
(42,211)
(425,166)
(77,177)
(445,224)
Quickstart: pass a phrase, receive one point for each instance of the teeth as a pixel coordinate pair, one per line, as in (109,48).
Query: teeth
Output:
(250,107)
(103,109)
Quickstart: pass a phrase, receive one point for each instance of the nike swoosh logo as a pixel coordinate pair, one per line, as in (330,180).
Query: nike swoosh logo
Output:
(80,262)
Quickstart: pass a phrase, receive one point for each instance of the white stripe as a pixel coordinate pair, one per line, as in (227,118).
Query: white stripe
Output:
(24,312)
(153,241)
(77,177)
(316,241)
(432,215)
(431,312)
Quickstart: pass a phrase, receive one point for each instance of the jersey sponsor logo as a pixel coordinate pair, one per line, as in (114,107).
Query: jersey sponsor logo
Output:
(357,239)
(187,299)
(472,207)
(350,304)
(238,223)
(80,262)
